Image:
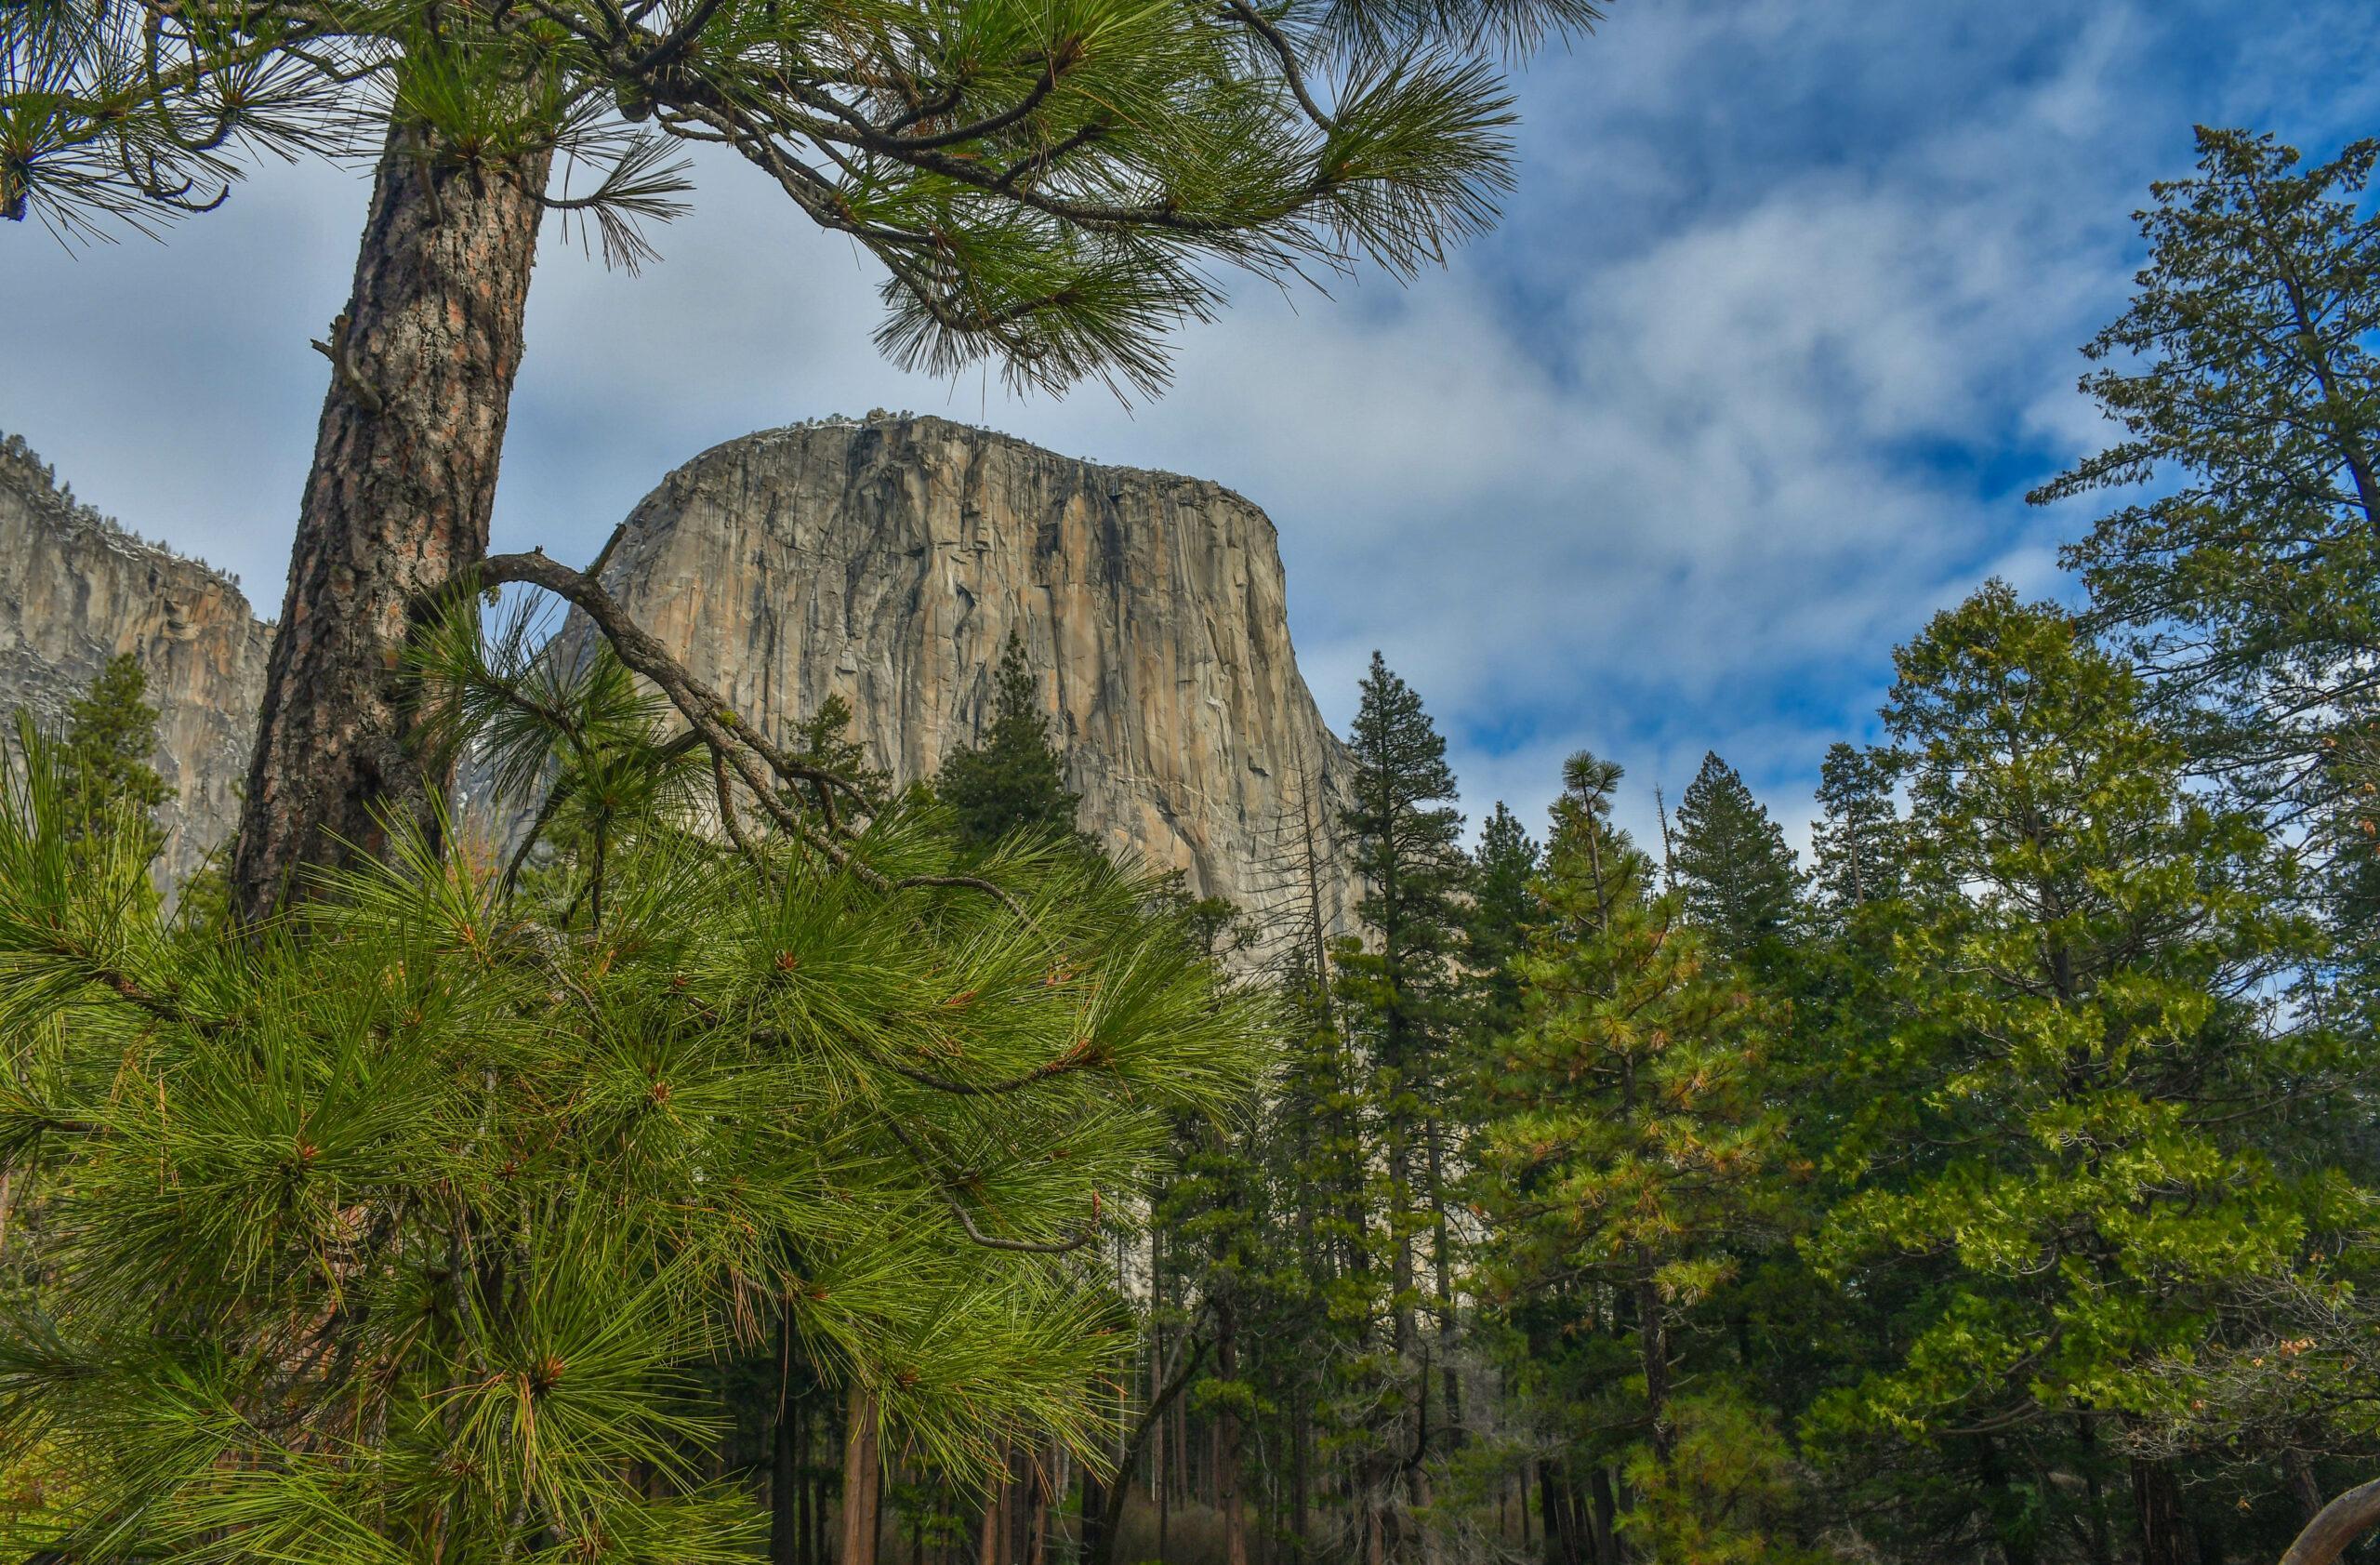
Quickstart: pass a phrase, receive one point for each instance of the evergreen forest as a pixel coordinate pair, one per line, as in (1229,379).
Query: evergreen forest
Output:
(747,1159)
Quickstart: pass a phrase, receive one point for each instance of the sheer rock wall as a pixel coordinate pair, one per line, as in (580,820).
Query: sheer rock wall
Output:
(76,590)
(887,560)
(884,560)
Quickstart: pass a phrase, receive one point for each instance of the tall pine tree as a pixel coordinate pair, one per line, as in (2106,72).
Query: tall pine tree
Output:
(1402,1000)
(1628,1169)
(1496,925)
(2243,378)
(111,734)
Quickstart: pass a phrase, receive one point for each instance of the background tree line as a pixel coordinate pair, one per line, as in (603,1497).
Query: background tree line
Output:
(1994,1187)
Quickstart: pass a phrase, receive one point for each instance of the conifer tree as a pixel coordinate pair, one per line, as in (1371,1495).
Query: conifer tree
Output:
(1731,861)
(1015,780)
(2067,1139)
(2244,378)
(472,1177)
(111,734)
(1405,837)
(1858,840)
(1496,923)
(1632,1151)
(1054,189)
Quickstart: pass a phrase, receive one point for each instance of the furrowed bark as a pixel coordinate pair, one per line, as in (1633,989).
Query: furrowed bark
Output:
(403,478)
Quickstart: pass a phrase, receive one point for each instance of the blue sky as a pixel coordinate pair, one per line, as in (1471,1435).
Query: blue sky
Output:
(1780,324)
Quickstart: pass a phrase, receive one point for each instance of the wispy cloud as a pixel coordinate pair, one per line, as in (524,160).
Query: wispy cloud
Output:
(1781,327)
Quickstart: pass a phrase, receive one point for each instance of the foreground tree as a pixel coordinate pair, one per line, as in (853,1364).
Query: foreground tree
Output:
(403,1244)
(1054,188)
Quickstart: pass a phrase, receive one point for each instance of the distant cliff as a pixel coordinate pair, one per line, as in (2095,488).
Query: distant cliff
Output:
(887,560)
(76,590)
(883,559)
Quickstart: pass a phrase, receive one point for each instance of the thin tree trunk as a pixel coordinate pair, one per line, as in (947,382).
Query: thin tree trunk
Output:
(784,1476)
(403,483)
(988,1551)
(1605,1516)
(861,1471)
(1654,1342)
(1558,1550)
(1299,1483)
(1227,1440)
(1151,1423)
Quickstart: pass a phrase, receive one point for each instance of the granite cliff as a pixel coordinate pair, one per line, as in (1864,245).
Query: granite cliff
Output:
(883,559)
(76,590)
(886,559)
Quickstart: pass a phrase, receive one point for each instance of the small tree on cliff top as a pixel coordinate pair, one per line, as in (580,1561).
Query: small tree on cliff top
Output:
(1052,185)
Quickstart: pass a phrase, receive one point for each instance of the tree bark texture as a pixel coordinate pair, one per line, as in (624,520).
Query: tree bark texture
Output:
(2166,1537)
(403,483)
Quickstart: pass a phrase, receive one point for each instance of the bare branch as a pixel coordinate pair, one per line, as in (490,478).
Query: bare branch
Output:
(343,368)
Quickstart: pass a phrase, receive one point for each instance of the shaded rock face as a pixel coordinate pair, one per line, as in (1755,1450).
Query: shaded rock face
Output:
(76,590)
(887,561)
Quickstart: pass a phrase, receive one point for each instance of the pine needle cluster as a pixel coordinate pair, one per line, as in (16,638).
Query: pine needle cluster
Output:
(1052,184)
(399,1230)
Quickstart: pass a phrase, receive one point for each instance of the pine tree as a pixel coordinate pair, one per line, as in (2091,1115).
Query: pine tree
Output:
(1633,1153)
(1055,191)
(1405,837)
(1496,923)
(472,1182)
(1858,840)
(2243,376)
(1731,861)
(1014,781)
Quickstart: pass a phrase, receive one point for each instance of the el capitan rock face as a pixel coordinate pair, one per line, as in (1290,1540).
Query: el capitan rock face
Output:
(884,561)
(76,590)
(887,561)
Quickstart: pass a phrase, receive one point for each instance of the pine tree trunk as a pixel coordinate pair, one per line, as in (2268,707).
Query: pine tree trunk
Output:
(861,1471)
(1559,1549)
(1605,1517)
(784,1476)
(1654,1342)
(399,497)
